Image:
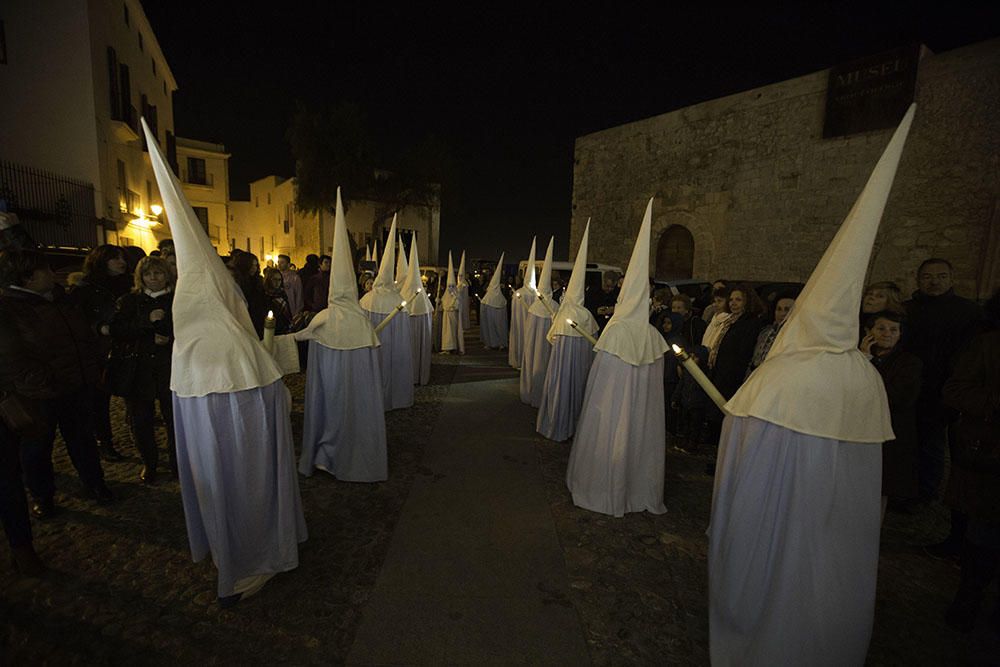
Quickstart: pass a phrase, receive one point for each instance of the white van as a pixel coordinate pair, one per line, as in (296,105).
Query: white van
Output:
(592,281)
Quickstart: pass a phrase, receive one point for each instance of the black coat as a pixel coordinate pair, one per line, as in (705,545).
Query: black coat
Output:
(938,328)
(97,300)
(901,373)
(734,354)
(974,391)
(47,349)
(139,368)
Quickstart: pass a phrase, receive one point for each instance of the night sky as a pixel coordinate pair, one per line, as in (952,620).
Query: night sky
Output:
(506,92)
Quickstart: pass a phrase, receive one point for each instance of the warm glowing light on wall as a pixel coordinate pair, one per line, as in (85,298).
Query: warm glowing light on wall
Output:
(156,209)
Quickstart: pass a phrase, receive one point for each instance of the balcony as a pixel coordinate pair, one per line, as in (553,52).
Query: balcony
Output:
(128,201)
(203,180)
(55,210)
(126,127)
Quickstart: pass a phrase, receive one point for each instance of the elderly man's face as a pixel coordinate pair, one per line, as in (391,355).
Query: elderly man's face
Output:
(282,264)
(934,279)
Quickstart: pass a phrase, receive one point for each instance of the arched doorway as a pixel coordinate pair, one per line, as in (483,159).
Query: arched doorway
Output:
(675,254)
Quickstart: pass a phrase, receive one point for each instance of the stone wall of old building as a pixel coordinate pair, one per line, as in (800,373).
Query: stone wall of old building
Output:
(762,193)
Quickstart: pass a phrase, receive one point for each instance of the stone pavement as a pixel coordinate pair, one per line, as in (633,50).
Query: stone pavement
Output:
(475,572)
(472,551)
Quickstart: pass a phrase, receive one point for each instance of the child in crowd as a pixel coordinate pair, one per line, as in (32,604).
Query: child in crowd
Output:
(689,401)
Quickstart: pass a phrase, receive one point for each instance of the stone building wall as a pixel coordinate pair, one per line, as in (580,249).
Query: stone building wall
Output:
(762,193)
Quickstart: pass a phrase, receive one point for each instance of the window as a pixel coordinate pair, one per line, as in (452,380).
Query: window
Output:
(122,187)
(256,201)
(125,7)
(149,194)
(202,214)
(268,198)
(196,171)
(140,41)
(248,244)
(116,96)
(286,225)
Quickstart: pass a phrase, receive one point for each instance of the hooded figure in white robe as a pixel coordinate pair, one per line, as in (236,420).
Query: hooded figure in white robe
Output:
(794,535)
(452,333)
(493,313)
(617,461)
(463,294)
(343,431)
(523,297)
(535,359)
(421,311)
(396,349)
(231,415)
(571,356)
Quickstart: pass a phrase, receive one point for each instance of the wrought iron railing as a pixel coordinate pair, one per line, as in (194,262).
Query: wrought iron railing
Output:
(54,209)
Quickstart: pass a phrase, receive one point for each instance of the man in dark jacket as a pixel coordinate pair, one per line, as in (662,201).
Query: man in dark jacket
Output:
(47,357)
(941,323)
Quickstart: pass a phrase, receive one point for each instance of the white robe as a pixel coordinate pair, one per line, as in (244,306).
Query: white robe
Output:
(793,547)
(535,360)
(420,336)
(343,429)
(238,483)
(452,334)
(395,360)
(463,306)
(518,313)
(493,326)
(617,461)
(565,384)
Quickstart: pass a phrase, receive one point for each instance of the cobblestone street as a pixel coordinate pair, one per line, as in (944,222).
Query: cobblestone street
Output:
(122,588)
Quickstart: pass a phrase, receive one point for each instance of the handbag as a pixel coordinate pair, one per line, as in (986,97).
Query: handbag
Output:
(977,443)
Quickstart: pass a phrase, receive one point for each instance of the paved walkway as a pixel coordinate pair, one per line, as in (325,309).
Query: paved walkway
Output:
(475,572)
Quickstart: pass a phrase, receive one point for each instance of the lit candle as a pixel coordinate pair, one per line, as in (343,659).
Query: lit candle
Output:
(395,311)
(545,303)
(576,327)
(269,324)
(699,376)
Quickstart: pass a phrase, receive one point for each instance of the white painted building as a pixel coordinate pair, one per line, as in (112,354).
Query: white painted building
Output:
(204,175)
(269,224)
(76,77)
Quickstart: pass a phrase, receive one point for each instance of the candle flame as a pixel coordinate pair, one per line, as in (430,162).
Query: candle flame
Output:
(270,314)
(677,348)
(402,305)
(570,322)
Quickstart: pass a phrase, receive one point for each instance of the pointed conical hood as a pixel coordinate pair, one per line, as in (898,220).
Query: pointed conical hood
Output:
(449,300)
(571,307)
(494,297)
(527,290)
(384,297)
(401,267)
(368,253)
(460,278)
(375,250)
(544,287)
(417,303)
(629,335)
(343,325)
(815,380)
(216,350)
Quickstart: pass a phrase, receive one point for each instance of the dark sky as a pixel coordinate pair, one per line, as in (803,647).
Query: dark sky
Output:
(506,92)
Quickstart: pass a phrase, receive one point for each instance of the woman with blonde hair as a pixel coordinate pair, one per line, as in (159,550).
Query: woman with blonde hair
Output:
(139,365)
(880,297)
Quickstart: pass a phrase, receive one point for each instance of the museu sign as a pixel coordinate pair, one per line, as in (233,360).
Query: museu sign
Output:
(872,93)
